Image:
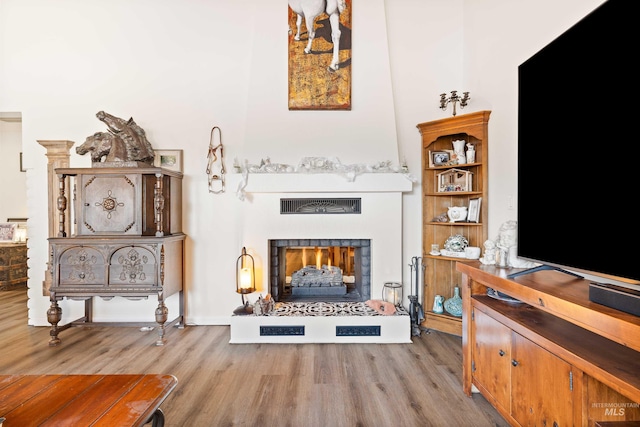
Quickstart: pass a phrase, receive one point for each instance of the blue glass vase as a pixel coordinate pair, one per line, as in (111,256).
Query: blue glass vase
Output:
(453,305)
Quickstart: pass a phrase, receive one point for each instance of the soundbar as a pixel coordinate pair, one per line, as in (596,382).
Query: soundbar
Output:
(618,297)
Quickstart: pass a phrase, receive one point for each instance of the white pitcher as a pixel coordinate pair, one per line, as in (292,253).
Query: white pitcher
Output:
(458,149)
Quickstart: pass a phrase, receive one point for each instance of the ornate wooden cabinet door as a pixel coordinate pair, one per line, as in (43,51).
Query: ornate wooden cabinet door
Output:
(109,204)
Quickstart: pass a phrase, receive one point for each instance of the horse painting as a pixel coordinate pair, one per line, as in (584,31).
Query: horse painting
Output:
(310,10)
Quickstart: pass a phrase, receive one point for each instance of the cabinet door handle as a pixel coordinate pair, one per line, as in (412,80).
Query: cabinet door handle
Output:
(501,353)
(514,362)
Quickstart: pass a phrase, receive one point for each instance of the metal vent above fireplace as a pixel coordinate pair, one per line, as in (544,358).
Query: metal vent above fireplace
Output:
(320,206)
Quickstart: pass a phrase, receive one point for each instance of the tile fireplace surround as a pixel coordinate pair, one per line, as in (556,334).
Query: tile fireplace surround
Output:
(380,221)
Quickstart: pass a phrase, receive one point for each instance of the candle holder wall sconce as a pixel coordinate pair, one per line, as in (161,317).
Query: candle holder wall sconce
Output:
(453,99)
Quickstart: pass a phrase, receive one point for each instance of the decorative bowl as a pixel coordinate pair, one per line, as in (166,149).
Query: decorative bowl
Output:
(457,213)
(456,243)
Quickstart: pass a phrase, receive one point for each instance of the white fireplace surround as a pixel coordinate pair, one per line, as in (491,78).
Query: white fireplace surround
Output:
(380,219)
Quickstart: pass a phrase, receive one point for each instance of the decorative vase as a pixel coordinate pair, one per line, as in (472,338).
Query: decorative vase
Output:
(437,304)
(471,153)
(453,305)
(458,149)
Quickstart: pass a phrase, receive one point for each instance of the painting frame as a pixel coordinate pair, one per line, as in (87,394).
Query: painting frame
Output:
(440,158)
(473,213)
(317,80)
(7,231)
(168,159)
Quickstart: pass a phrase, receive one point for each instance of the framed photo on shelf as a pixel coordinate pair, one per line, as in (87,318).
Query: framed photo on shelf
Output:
(440,158)
(473,214)
(168,159)
(7,231)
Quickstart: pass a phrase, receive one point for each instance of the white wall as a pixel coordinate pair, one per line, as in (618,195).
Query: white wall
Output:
(181,68)
(499,36)
(13,190)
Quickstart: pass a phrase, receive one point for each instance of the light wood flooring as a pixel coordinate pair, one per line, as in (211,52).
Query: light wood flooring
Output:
(222,384)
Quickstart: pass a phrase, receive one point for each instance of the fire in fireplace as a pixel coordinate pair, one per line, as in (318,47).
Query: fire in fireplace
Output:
(320,269)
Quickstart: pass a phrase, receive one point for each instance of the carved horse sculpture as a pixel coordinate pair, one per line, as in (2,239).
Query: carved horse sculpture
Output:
(125,141)
(104,144)
(310,10)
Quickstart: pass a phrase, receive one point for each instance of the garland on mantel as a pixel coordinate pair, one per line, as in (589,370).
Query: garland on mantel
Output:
(317,165)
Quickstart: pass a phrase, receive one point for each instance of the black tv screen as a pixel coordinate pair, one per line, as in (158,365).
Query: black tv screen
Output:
(578,168)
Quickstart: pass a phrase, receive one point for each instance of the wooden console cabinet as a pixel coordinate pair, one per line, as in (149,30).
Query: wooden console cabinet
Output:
(127,241)
(555,358)
(13,265)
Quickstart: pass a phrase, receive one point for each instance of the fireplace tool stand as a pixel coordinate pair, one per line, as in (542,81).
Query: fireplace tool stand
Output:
(415,308)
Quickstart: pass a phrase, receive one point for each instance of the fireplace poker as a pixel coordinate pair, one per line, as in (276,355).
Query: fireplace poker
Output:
(415,308)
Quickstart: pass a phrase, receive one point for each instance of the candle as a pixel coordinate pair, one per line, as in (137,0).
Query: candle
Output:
(245,278)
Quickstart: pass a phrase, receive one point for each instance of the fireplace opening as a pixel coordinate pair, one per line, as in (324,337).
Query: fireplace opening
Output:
(328,270)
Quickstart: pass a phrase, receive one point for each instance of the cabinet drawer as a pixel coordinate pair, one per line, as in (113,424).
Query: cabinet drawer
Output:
(17,260)
(13,254)
(80,265)
(13,272)
(133,266)
(18,272)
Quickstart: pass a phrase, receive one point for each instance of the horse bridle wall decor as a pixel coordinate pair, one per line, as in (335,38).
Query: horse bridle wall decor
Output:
(215,162)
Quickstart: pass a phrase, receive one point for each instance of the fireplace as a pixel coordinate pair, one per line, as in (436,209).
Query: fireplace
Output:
(324,210)
(327,270)
(358,220)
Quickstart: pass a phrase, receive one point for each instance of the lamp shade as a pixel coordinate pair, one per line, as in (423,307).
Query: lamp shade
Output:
(245,273)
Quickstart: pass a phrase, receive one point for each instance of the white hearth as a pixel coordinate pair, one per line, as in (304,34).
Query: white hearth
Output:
(299,323)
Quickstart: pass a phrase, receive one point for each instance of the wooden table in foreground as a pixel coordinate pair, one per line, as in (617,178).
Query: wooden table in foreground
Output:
(83,400)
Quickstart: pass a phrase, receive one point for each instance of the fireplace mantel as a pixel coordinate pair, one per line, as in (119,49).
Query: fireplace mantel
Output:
(321,183)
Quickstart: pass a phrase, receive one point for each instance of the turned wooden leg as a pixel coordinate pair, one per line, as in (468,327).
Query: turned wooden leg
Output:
(54,315)
(162,314)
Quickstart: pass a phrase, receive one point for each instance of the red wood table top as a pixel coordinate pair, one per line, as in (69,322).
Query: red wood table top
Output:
(82,400)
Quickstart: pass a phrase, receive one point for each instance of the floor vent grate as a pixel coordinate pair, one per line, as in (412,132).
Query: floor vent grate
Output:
(357,331)
(281,330)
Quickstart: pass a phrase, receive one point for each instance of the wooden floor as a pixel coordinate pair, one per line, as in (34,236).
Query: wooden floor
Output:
(222,384)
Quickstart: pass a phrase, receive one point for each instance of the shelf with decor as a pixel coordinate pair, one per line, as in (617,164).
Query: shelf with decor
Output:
(449,181)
